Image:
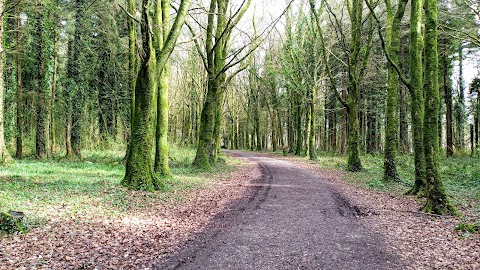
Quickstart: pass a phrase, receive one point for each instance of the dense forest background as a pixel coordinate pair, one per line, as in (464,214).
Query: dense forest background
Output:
(358,78)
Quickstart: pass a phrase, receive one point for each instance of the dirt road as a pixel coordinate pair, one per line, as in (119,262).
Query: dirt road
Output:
(294,220)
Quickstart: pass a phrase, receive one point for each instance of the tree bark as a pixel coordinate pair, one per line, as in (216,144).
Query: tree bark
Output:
(4,156)
(437,201)
(448,99)
(139,172)
(53,141)
(460,142)
(162,22)
(393,48)
(19,120)
(416,93)
(41,139)
(311,140)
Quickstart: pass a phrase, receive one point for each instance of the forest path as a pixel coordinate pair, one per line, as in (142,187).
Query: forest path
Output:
(294,221)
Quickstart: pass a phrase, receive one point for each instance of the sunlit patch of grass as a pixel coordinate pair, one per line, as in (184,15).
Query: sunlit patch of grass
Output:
(90,188)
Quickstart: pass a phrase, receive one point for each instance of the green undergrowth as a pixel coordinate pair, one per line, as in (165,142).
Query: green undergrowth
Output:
(461,176)
(468,227)
(87,189)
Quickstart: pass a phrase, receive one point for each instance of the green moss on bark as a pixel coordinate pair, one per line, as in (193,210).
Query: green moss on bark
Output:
(437,201)
(161,165)
(416,94)
(391,125)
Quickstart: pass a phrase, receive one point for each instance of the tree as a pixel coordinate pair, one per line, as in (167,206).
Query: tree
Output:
(162,19)
(460,103)
(41,138)
(437,201)
(357,53)
(415,86)
(75,96)
(139,168)
(217,44)
(393,41)
(19,117)
(4,155)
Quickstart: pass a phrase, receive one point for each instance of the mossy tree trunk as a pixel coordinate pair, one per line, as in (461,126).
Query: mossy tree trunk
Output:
(132,74)
(4,155)
(404,138)
(75,95)
(312,153)
(298,124)
(161,165)
(162,22)
(41,138)
(416,93)
(219,28)
(460,106)
(437,201)
(53,141)
(393,48)
(354,164)
(139,172)
(357,61)
(208,115)
(415,85)
(447,94)
(217,128)
(19,116)
(344,118)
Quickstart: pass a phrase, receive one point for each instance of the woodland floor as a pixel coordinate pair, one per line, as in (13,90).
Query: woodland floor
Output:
(269,212)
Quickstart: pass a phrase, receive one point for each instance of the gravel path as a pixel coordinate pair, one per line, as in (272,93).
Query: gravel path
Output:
(294,221)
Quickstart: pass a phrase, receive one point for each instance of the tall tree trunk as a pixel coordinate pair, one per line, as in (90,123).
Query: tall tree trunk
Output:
(53,141)
(437,201)
(308,115)
(353,163)
(217,129)
(4,156)
(447,92)
(77,93)
(298,125)
(162,18)
(290,128)
(256,117)
(371,140)
(274,126)
(343,125)
(404,138)
(132,38)
(216,63)
(311,140)
(41,110)
(19,127)
(416,96)
(461,101)
(472,140)
(393,49)
(332,121)
(476,120)
(139,172)
(204,148)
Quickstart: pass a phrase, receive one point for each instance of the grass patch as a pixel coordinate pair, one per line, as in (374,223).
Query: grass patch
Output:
(90,188)
(468,227)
